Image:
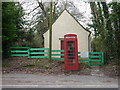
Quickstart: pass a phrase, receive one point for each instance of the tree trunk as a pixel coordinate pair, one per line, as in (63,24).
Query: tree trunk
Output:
(106,15)
(50,33)
(96,19)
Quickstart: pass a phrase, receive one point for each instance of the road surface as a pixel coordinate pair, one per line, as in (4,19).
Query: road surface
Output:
(96,80)
(58,81)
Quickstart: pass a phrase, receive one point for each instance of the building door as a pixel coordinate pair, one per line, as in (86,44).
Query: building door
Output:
(62,47)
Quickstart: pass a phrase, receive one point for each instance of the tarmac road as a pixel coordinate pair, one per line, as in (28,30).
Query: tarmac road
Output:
(58,81)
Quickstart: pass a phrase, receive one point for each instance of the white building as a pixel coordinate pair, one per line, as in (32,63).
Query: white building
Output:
(66,24)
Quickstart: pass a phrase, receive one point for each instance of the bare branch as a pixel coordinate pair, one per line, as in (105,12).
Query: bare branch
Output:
(42,7)
(33,9)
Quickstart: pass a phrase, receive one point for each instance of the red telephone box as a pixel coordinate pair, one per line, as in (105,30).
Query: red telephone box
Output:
(70,52)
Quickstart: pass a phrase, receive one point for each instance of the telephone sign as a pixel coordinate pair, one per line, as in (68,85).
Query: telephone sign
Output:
(70,52)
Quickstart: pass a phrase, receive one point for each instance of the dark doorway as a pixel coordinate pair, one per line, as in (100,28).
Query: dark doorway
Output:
(62,47)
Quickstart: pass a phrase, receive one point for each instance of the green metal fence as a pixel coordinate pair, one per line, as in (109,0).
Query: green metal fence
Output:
(19,51)
(95,58)
(57,56)
(38,51)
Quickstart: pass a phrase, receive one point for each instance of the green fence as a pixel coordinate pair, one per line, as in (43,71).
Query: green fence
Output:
(95,58)
(19,51)
(57,55)
(32,52)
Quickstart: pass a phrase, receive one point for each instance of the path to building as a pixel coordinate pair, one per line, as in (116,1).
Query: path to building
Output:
(96,80)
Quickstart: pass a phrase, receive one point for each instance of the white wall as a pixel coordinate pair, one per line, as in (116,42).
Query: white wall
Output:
(66,24)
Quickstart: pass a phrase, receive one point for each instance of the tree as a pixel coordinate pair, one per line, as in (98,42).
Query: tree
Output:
(104,39)
(40,19)
(115,21)
(12,23)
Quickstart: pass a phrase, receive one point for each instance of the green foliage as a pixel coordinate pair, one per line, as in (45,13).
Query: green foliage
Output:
(97,42)
(11,24)
(115,19)
(105,38)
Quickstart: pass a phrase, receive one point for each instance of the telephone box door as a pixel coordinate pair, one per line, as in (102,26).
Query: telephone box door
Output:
(70,52)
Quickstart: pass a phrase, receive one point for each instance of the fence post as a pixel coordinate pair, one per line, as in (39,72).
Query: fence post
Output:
(28,52)
(89,57)
(102,58)
(48,53)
